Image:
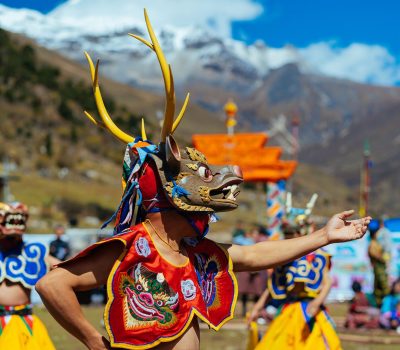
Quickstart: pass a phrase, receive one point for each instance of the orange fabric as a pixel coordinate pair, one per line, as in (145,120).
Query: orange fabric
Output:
(239,149)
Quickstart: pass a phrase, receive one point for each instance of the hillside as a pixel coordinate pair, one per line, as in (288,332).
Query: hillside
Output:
(336,118)
(65,165)
(336,115)
(68,169)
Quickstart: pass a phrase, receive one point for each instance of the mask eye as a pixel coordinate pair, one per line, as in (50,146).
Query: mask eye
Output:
(205,173)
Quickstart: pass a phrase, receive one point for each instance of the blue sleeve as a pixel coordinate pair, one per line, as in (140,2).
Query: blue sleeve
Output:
(386,304)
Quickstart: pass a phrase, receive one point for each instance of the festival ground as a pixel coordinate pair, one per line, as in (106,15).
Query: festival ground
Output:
(233,335)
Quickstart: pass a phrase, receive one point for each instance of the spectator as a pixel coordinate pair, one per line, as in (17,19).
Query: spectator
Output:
(262,234)
(395,318)
(251,284)
(360,313)
(238,230)
(390,305)
(59,248)
(245,238)
(378,262)
(385,239)
(253,234)
(392,318)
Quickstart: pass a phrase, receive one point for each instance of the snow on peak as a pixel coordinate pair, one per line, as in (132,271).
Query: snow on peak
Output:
(79,25)
(197,41)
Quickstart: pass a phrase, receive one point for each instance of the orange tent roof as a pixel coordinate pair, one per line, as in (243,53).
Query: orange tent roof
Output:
(258,163)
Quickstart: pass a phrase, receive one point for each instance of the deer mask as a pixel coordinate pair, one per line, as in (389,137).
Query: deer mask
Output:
(162,176)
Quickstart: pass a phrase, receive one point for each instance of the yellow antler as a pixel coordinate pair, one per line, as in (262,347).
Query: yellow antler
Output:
(181,114)
(169,125)
(144,136)
(106,122)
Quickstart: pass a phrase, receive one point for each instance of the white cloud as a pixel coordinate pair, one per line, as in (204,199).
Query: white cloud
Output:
(102,15)
(359,62)
(75,19)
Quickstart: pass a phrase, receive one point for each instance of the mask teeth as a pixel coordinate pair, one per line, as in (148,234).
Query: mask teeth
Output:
(230,192)
(213,218)
(15,222)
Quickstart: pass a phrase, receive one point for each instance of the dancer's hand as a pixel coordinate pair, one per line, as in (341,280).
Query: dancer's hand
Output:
(252,317)
(99,343)
(106,343)
(339,229)
(312,308)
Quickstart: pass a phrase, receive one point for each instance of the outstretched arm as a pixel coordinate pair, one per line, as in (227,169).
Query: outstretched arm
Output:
(269,254)
(57,290)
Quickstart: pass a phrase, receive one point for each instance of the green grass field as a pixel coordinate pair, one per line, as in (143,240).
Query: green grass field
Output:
(232,337)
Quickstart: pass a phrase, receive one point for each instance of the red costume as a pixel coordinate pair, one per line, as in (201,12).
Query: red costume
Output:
(151,300)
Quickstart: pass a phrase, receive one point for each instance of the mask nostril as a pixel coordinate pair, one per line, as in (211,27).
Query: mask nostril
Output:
(147,298)
(237,171)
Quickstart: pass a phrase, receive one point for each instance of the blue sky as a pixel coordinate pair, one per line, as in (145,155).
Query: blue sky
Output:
(352,39)
(43,6)
(303,22)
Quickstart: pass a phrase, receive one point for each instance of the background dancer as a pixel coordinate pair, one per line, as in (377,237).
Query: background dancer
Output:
(21,266)
(302,321)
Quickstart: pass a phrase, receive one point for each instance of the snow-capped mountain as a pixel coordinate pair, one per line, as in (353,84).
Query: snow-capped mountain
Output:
(194,52)
(196,37)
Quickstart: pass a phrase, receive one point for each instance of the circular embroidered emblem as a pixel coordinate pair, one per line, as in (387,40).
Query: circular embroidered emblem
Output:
(142,247)
(160,277)
(188,289)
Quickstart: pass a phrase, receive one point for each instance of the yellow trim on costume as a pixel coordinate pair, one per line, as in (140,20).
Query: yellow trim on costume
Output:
(328,257)
(272,291)
(323,252)
(235,287)
(193,312)
(110,294)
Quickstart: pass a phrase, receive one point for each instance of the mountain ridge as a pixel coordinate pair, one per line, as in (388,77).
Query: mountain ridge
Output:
(76,173)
